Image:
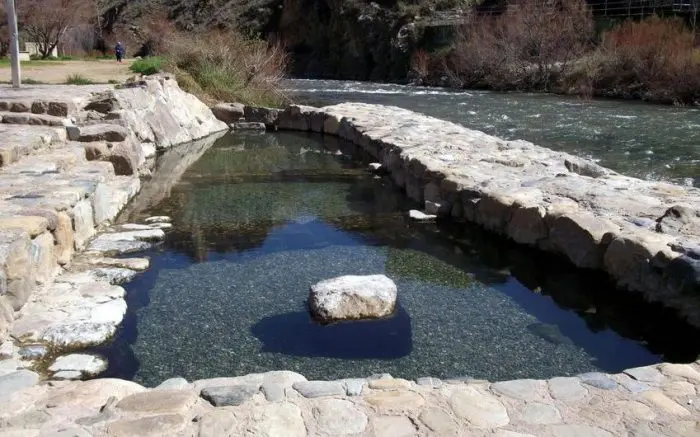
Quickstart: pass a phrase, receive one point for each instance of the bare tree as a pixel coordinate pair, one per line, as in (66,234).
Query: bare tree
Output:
(45,21)
(524,48)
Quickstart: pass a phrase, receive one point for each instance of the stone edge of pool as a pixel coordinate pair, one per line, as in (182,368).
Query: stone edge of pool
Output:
(509,187)
(644,234)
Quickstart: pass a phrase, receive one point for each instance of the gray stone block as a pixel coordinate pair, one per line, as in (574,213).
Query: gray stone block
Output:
(229,395)
(599,380)
(315,389)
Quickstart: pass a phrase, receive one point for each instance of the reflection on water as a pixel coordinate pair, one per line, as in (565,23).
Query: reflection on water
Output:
(296,334)
(260,218)
(639,139)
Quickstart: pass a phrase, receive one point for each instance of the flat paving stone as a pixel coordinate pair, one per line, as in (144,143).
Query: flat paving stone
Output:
(388,384)
(507,433)
(566,389)
(645,374)
(439,421)
(685,371)
(430,382)
(9,366)
(395,400)
(393,426)
(7,348)
(664,403)
(675,389)
(314,389)
(177,383)
(112,247)
(138,264)
(216,423)
(480,409)
(32,225)
(229,395)
(339,417)
(576,431)
(68,432)
(634,410)
(165,424)
(273,392)
(631,384)
(354,386)
(523,389)
(17,380)
(158,401)
(599,380)
(282,419)
(537,413)
(686,428)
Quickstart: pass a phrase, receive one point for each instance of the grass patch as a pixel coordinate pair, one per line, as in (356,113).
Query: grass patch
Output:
(77,79)
(25,81)
(148,66)
(5,62)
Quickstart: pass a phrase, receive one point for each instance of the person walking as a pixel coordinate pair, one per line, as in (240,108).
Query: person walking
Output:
(119,51)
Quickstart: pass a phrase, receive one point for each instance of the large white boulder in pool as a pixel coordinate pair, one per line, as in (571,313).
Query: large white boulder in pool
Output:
(352,297)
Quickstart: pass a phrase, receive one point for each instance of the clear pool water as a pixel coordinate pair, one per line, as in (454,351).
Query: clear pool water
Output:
(259,218)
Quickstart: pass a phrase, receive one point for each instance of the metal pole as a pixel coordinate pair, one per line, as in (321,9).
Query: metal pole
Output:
(14,42)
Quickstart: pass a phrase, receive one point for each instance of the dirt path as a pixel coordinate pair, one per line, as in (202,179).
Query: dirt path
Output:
(101,71)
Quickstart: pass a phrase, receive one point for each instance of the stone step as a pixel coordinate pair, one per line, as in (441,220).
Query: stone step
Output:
(33,119)
(56,100)
(97,132)
(18,141)
(29,105)
(58,160)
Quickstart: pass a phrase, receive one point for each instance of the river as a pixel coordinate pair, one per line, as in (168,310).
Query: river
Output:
(638,139)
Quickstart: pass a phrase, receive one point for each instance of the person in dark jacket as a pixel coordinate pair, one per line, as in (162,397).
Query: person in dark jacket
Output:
(119,51)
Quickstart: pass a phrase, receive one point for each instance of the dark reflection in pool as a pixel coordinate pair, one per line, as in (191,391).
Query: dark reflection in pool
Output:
(296,334)
(260,218)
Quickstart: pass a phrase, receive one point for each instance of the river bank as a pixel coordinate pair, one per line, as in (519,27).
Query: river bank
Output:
(643,140)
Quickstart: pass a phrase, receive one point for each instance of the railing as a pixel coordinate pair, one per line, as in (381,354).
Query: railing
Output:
(622,9)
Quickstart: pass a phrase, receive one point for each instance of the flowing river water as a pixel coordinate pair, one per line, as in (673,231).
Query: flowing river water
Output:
(259,217)
(634,138)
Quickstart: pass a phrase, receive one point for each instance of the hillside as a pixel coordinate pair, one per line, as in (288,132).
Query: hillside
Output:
(349,39)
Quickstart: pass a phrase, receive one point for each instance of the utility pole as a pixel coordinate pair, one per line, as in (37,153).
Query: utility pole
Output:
(14,42)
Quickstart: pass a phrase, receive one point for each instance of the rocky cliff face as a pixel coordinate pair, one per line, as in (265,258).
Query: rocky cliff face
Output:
(343,40)
(340,39)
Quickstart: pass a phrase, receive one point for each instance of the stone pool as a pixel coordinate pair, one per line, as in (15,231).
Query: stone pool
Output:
(258,218)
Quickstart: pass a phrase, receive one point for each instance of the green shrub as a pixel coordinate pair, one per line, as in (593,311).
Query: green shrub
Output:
(228,67)
(148,66)
(77,79)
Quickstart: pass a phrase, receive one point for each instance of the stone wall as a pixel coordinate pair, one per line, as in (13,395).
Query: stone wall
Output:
(645,234)
(70,160)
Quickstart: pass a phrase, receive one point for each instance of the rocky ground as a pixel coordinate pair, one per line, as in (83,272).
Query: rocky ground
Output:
(70,164)
(651,401)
